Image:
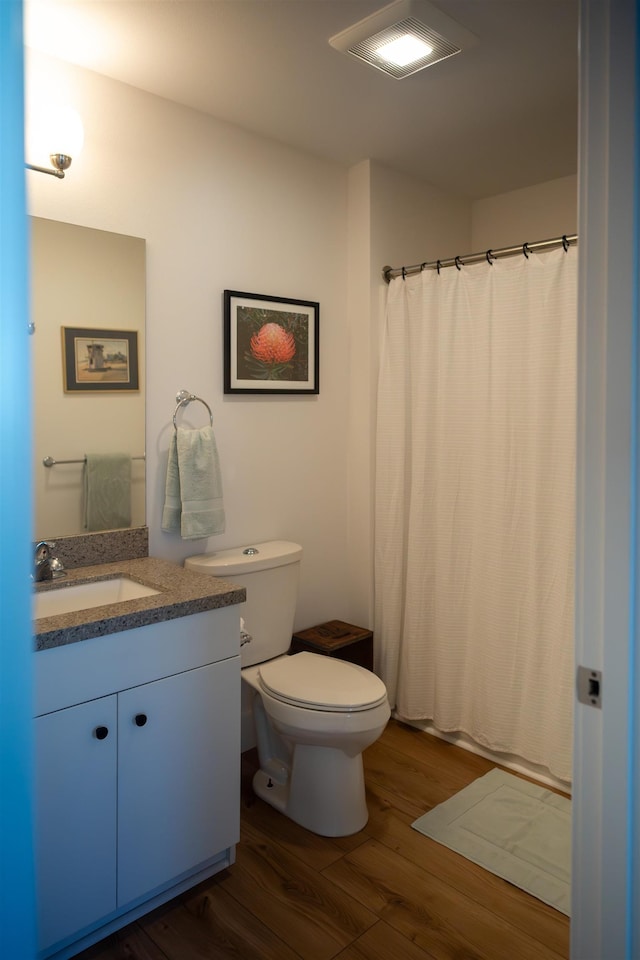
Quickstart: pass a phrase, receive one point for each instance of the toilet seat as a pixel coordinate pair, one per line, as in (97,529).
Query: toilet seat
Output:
(314,682)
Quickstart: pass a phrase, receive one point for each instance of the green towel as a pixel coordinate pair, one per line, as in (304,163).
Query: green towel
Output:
(107,491)
(172,509)
(193,490)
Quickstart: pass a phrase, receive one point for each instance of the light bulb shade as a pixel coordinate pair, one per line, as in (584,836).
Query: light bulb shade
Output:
(53,129)
(67,135)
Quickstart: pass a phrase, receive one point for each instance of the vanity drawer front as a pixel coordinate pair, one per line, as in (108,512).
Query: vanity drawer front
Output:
(94,668)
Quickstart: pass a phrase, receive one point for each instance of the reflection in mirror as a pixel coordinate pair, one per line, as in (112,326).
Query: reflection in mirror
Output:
(95,281)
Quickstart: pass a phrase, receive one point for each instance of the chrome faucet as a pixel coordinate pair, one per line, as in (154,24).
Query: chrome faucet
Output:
(46,566)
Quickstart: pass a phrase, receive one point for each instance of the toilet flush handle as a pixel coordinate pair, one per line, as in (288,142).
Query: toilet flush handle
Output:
(244,636)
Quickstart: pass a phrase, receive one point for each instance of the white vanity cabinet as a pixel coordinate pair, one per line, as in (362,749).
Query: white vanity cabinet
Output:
(176,807)
(75,816)
(137,772)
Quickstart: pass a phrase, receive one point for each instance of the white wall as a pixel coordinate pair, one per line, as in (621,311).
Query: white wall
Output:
(219,209)
(539,212)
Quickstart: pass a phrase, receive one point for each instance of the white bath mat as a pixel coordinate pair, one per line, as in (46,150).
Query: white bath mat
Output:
(516,829)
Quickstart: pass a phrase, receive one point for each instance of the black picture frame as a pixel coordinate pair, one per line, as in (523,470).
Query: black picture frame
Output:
(271,344)
(97,360)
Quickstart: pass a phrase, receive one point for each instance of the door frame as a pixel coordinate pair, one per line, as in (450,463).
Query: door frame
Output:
(17,900)
(605,863)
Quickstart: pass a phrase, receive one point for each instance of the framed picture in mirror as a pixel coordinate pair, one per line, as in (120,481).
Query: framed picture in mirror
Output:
(95,360)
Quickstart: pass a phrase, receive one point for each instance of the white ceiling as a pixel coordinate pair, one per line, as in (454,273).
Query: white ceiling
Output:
(496,117)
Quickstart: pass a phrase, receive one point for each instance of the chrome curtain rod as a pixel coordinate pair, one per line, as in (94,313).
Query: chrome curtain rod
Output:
(524,249)
(51,462)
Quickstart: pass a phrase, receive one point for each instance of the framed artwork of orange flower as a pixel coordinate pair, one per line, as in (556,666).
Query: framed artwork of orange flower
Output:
(270,344)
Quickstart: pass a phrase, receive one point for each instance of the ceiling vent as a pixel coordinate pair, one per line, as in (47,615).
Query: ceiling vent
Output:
(404,37)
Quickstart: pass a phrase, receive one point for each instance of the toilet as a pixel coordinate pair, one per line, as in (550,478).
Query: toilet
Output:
(313,715)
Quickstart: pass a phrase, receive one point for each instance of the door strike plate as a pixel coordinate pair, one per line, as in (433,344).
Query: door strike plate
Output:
(590,686)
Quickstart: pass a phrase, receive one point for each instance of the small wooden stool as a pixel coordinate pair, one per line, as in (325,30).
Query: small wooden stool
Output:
(336,639)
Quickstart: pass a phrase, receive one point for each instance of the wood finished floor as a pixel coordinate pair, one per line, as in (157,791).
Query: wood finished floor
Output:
(387,893)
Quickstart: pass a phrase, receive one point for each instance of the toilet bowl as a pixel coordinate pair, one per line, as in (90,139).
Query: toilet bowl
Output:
(313,715)
(325,712)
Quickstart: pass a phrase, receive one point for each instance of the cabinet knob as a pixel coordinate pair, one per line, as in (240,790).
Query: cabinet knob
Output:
(140,719)
(101,733)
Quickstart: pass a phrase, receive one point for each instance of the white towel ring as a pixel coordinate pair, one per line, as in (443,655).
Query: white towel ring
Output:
(183,397)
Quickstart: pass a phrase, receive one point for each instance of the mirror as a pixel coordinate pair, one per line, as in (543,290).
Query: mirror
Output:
(85,280)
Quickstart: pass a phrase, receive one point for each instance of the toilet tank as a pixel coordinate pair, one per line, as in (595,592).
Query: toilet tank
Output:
(269,572)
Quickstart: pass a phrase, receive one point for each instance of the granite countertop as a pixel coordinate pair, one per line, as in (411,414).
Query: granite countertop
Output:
(182,592)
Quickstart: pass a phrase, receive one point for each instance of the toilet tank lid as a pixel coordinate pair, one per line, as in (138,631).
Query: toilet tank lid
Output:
(237,560)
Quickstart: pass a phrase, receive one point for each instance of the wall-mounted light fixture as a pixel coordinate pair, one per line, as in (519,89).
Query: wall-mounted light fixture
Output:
(404,37)
(59,163)
(61,127)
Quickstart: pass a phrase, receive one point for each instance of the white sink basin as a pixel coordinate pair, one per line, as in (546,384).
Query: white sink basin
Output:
(83,596)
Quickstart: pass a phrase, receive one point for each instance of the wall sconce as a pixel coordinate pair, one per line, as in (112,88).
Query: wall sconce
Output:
(404,37)
(62,127)
(59,163)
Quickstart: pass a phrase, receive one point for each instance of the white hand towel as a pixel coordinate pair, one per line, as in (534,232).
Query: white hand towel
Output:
(193,492)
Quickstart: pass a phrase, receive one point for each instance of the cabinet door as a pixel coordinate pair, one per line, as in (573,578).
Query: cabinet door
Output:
(178,775)
(75,811)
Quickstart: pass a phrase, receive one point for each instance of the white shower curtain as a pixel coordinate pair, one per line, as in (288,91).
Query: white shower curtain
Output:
(474,511)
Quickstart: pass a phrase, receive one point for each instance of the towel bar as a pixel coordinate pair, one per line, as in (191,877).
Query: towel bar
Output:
(183,398)
(51,462)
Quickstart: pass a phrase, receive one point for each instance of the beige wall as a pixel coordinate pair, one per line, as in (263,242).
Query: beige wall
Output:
(411,222)
(391,219)
(539,212)
(222,209)
(358,423)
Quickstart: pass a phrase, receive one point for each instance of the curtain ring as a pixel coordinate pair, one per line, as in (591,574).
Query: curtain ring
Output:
(490,257)
(404,273)
(457,263)
(525,250)
(565,242)
(422,266)
(438,265)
